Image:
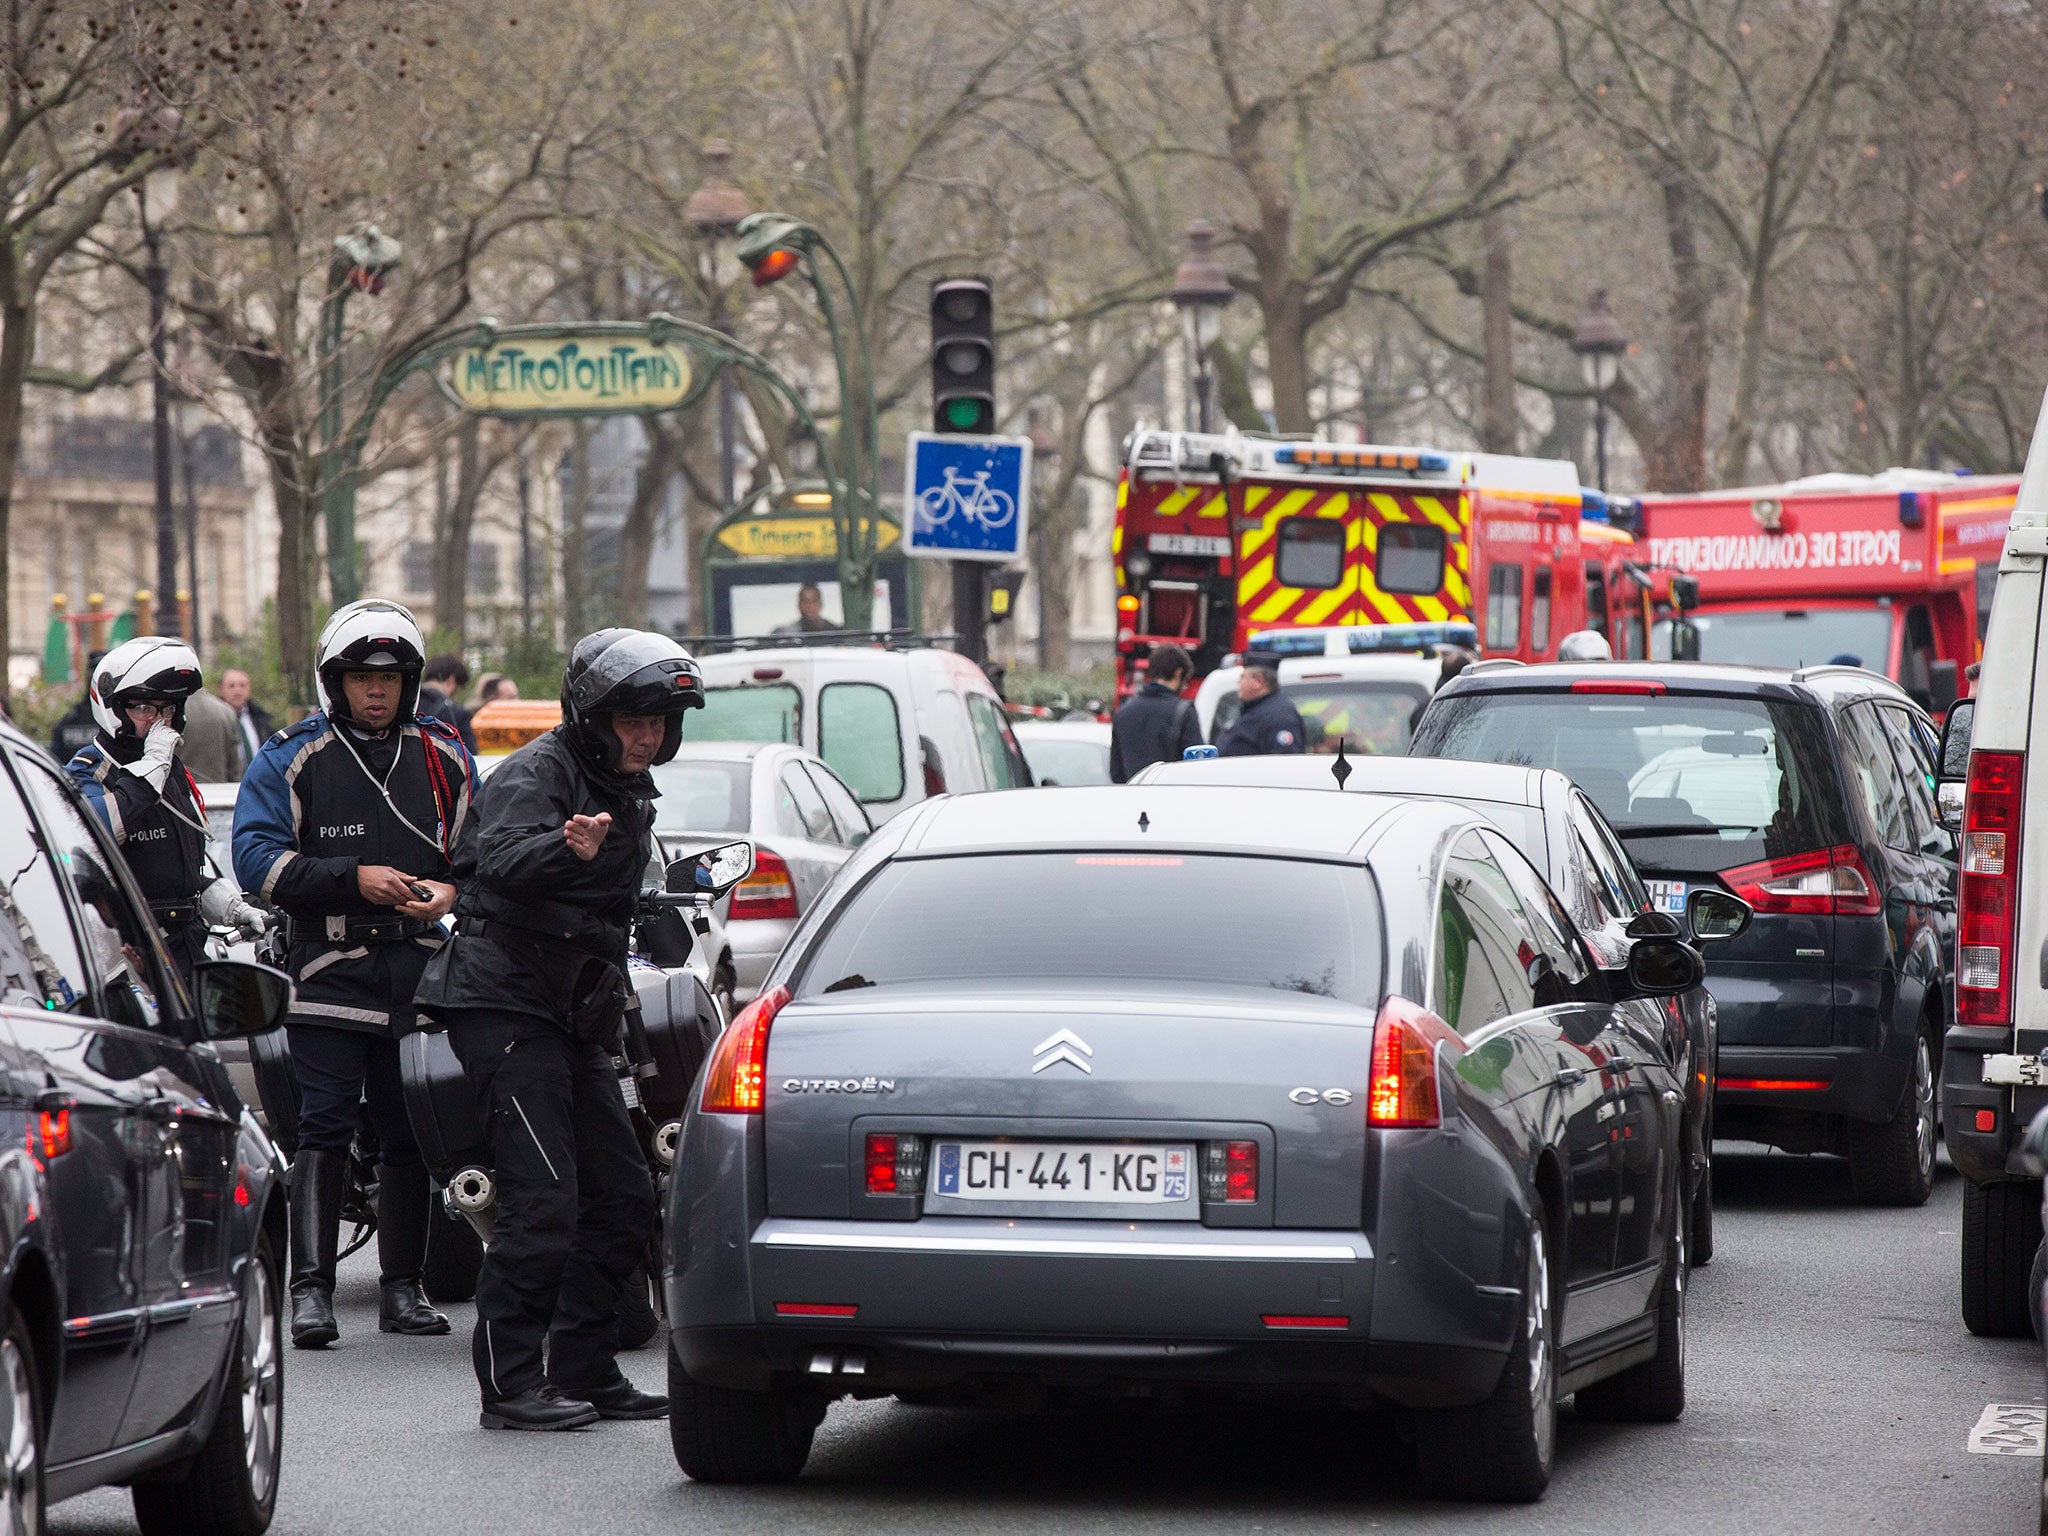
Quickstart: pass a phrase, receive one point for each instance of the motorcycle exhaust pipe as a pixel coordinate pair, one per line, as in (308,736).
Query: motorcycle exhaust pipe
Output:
(473,1195)
(666,1140)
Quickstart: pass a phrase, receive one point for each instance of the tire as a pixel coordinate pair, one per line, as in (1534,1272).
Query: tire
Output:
(230,1487)
(455,1254)
(2001,1234)
(2037,1277)
(21,1433)
(1501,1449)
(1700,1223)
(1654,1391)
(1893,1163)
(723,1436)
(637,1322)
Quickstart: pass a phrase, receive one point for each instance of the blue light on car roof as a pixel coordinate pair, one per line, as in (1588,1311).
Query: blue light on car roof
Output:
(1368,638)
(1197,754)
(1593,506)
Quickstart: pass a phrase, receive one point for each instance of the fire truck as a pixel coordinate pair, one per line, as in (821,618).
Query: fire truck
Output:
(1895,570)
(1219,536)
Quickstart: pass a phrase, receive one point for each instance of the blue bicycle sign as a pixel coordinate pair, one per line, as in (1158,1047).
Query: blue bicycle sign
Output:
(966,498)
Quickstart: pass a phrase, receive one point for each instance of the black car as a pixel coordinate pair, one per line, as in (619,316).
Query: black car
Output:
(142,1205)
(1810,795)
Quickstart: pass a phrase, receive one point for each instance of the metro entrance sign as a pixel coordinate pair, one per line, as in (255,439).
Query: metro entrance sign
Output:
(572,373)
(967,498)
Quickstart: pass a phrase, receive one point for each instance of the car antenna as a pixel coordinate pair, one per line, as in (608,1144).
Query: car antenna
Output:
(1340,770)
(1144,822)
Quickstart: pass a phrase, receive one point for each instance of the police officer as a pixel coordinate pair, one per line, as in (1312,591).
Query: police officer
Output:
(1269,722)
(350,822)
(532,990)
(136,782)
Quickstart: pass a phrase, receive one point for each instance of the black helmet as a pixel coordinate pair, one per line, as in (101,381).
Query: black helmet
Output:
(627,672)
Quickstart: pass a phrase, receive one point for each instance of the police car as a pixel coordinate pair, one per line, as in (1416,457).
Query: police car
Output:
(1361,683)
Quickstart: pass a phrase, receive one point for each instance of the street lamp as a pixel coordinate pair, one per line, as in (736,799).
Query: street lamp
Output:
(1200,290)
(1598,340)
(362,259)
(714,212)
(138,133)
(773,245)
(187,416)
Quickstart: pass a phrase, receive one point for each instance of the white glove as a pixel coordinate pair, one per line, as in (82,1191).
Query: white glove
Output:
(222,904)
(158,748)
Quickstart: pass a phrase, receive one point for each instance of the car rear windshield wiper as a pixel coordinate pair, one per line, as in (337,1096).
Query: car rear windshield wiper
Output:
(1677,829)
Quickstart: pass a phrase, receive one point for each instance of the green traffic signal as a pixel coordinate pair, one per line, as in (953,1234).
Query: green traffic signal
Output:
(967,415)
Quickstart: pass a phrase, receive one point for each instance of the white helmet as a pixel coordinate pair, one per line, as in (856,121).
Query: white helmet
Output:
(370,635)
(1584,645)
(147,667)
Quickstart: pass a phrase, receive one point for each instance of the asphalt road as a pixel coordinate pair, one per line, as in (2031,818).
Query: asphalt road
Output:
(1831,1388)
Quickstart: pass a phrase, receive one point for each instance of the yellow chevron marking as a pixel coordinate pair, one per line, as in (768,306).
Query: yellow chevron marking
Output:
(1319,611)
(1175,501)
(1276,605)
(1286,506)
(1255,577)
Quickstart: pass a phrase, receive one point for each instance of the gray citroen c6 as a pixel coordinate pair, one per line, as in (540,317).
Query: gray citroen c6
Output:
(1149,1086)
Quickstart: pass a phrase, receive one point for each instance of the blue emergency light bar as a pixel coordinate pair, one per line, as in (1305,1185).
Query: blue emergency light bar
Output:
(1361,461)
(1364,639)
(1197,754)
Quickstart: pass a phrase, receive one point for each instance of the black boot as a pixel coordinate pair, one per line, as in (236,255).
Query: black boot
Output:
(537,1408)
(620,1399)
(316,1185)
(403,1210)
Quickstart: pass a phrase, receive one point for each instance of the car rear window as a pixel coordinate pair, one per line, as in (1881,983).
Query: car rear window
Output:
(1371,717)
(703,796)
(1685,780)
(1797,637)
(755,712)
(860,736)
(1115,918)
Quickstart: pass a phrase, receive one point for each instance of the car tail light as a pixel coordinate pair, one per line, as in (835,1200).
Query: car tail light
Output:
(1403,1090)
(895,1165)
(767,892)
(56,1128)
(1636,685)
(1989,893)
(1830,882)
(736,1078)
(1230,1172)
(816,1309)
(1301,1320)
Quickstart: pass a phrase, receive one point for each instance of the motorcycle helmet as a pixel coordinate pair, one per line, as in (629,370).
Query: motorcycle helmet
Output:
(371,635)
(147,667)
(627,672)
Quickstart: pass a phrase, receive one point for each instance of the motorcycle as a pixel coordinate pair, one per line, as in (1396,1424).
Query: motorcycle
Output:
(670,1025)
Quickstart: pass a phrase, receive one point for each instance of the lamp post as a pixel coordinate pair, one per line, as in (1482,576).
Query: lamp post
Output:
(1201,288)
(1598,340)
(773,245)
(186,415)
(713,213)
(362,259)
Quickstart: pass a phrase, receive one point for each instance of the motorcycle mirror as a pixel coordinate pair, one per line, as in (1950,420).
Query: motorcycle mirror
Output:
(713,870)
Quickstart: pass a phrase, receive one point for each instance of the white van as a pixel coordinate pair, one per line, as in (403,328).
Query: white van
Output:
(897,725)
(1994,777)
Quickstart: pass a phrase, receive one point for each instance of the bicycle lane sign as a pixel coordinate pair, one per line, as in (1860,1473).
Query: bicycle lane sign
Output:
(967,498)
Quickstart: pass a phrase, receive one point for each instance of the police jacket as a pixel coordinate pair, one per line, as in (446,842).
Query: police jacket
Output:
(1155,725)
(312,810)
(163,836)
(1268,725)
(76,730)
(531,913)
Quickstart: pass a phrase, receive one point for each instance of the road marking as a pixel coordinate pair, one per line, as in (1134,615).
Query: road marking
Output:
(2009,1429)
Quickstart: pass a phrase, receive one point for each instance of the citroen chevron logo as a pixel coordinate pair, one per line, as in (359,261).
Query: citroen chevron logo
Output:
(1065,1046)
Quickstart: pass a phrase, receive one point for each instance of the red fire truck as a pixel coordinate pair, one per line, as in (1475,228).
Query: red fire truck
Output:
(1895,570)
(1220,536)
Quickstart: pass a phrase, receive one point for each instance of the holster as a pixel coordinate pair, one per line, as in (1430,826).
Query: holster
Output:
(598,1003)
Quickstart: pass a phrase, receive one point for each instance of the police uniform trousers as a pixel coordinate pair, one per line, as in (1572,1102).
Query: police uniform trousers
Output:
(575,1208)
(337,1070)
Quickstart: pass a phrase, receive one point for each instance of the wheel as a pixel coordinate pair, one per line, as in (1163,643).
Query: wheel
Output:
(1654,1391)
(723,1436)
(2001,1234)
(2037,1277)
(637,1322)
(454,1255)
(1501,1449)
(1700,1233)
(1893,1163)
(230,1487)
(21,1431)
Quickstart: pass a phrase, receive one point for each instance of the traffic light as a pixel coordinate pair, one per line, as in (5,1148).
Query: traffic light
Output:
(1002,590)
(963,356)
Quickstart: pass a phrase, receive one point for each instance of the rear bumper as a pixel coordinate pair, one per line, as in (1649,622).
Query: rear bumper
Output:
(1846,1081)
(1986,1156)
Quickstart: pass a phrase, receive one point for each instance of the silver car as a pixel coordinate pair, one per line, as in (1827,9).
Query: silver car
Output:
(1155,1088)
(802,818)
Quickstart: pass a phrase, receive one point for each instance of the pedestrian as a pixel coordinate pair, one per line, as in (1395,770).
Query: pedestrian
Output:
(77,726)
(493,686)
(351,822)
(532,990)
(133,777)
(810,614)
(213,745)
(446,676)
(1269,722)
(253,725)
(1155,724)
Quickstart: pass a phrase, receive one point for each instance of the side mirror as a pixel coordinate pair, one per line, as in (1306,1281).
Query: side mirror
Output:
(1716,916)
(713,869)
(1944,685)
(1685,640)
(1955,742)
(1685,596)
(239,998)
(1664,968)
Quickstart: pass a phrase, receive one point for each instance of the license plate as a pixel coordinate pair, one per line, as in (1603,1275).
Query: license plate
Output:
(1064,1172)
(1666,896)
(1187,544)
